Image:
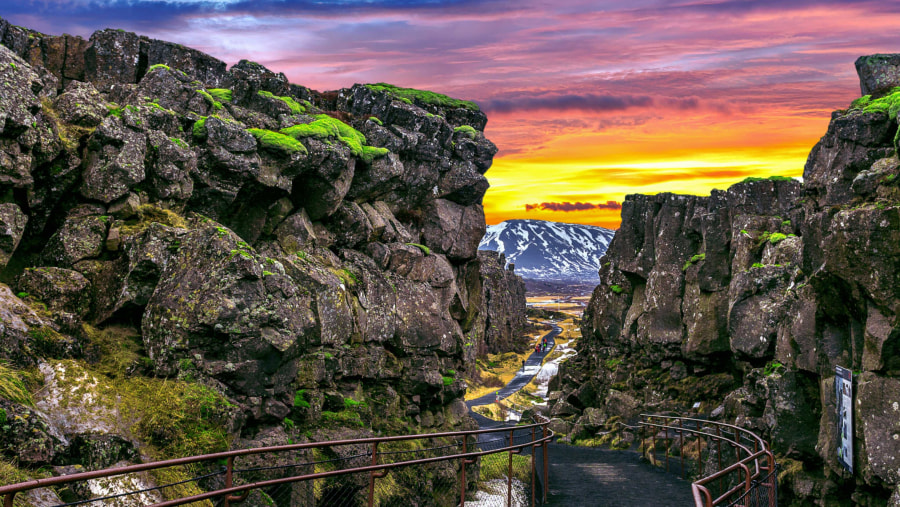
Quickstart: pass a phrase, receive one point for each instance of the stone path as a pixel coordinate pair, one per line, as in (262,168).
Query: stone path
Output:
(523,376)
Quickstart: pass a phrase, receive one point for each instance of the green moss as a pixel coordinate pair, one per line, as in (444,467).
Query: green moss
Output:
(157,67)
(300,399)
(277,142)
(616,288)
(889,104)
(376,120)
(467,131)
(423,248)
(215,104)
(342,418)
(149,213)
(351,404)
(370,153)
(694,260)
(447,380)
(772,368)
(757,265)
(612,363)
(199,130)
(325,127)
(222,94)
(118,347)
(114,110)
(423,96)
(776,237)
(179,142)
(295,107)
(751,179)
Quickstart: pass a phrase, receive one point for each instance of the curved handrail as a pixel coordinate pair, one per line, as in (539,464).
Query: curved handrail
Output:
(754,466)
(545,435)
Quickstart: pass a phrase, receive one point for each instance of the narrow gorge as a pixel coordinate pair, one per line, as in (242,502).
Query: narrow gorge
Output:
(740,305)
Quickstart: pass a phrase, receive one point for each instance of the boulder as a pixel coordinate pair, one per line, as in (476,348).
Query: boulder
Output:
(12,226)
(878,73)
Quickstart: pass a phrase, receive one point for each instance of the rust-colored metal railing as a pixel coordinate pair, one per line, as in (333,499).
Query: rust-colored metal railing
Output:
(465,452)
(743,473)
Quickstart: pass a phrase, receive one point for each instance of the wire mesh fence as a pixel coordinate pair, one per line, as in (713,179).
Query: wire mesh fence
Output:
(498,467)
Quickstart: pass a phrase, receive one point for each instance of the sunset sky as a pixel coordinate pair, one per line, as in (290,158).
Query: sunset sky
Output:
(587,100)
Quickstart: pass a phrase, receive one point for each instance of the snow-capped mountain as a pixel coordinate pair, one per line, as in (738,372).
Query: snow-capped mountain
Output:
(549,250)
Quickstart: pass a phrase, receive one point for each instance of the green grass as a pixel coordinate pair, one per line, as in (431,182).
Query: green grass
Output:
(423,248)
(467,131)
(295,106)
(423,96)
(223,94)
(12,386)
(496,466)
(274,141)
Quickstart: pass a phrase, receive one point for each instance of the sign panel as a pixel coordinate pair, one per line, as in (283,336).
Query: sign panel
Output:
(843,385)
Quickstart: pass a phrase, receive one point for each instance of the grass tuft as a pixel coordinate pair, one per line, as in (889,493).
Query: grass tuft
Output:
(222,94)
(12,386)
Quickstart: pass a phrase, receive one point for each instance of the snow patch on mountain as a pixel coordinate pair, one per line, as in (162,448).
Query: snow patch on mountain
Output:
(549,250)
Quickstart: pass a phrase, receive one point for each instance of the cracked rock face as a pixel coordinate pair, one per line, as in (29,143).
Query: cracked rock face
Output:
(310,256)
(746,300)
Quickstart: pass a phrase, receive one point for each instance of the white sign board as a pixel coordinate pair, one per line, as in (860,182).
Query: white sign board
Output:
(843,385)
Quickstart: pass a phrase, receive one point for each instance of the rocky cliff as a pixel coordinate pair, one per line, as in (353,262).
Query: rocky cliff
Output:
(747,299)
(303,263)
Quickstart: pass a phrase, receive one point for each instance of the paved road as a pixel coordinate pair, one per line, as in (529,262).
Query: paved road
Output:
(589,477)
(585,476)
(522,378)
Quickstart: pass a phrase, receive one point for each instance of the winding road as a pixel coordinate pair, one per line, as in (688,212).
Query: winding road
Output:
(585,476)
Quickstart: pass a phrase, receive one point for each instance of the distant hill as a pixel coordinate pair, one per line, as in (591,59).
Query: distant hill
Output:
(543,250)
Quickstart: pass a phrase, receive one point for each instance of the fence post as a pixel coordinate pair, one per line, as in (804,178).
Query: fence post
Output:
(666,450)
(372,474)
(532,466)
(8,499)
(462,475)
(546,464)
(509,473)
(681,445)
(229,478)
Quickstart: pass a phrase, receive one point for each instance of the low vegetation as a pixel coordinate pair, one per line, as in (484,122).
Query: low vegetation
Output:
(424,97)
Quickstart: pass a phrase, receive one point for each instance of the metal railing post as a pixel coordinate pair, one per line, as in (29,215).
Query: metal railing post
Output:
(229,478)
(372,474)
(666,450)
(509,474)
(532,467)
(462,476)
(546,464)
(8,499)
(681,446)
